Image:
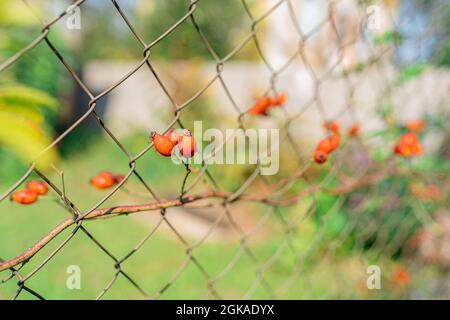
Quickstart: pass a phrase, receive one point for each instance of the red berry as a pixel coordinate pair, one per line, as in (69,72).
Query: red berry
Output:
(320,156)
(187,145)
(162,144)
(408,139)
(408,145)
(103,180)
(280,99)
(334,142)
(416,149)
(40,187)
(24,196)
(353,131)
(401,277)
(332,126)
(277,101)
(173,136)
(416,125)
(273,101)
(324,145)
(261,106)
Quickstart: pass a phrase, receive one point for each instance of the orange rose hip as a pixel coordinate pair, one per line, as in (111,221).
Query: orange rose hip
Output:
(103,180)
(24,196)
(40,187)
(320,157)
(187,144)
(163,144)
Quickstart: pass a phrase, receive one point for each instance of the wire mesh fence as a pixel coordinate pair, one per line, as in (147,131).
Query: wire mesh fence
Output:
(286,202)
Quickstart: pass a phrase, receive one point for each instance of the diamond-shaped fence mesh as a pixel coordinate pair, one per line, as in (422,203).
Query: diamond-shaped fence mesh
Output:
(310,230)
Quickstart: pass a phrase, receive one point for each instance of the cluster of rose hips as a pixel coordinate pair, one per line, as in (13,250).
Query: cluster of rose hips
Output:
(264,103)
(329,144)
(409,145)
(31,193)
(106,179)
(165,144)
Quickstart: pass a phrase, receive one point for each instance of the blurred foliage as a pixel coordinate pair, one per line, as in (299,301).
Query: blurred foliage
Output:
(409,72)
(443,54)
(15,13)
(23,131)
(399,202)
(221,23)
(389,37)
(28,110)
(443,57)
(39,68)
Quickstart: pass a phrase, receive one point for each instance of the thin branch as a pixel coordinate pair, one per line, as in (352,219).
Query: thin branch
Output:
(130,209)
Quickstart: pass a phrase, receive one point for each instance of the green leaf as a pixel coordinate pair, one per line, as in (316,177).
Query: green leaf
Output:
(325,202)
(411,72)
(336,224)
(25,139)
(16,13)
(32,114)
(388,37)
(16,95)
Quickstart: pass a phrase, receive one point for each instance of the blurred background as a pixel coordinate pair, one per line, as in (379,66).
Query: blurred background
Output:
(378,64)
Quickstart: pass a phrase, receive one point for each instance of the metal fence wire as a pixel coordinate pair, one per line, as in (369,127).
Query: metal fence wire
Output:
(200,186)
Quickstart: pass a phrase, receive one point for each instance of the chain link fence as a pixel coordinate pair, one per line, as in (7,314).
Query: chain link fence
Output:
(285,202)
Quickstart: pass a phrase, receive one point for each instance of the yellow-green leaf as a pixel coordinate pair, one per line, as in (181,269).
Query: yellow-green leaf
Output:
(17,13)
(26,139)
(18,95)
(32,114)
